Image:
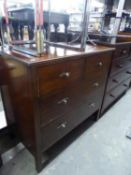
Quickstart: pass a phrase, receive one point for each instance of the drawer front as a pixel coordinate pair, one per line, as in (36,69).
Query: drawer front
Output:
(64,102)
(97,64)
(54,77)
(119,65)
(121,52)
(117,79)
(58,105)
(55,130)
(115,93)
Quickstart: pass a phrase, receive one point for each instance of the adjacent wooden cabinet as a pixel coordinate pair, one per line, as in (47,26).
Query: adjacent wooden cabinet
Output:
(120,75)
(52,96)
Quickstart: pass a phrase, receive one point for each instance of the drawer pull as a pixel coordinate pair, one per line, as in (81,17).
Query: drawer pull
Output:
(11,66)
(92,105)
(63,125)
(100,64)
(112,95)
(96,84)
(116,81)
(64,74)
(63,101)
(124,52)
(125,85)
(128,72)
(119,66)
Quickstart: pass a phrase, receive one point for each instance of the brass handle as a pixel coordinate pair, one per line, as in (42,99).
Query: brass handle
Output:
(100,64)
(64,74)
(63,101)
(119,66)
(96,84)
(63,125)
(92,105)
(124,51)
(11,66)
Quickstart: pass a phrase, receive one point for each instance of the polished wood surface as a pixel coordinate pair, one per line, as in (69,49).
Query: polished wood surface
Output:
(56,54)
(54,93)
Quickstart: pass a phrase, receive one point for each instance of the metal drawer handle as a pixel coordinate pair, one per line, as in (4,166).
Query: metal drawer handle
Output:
(112,95)
(96,84)
(100,64)
(119,66)
(63,101)
(125,85)
(64,74)
(128,72)
(11,66)
(124,51)
(116,81)
(63,125)
(92,105)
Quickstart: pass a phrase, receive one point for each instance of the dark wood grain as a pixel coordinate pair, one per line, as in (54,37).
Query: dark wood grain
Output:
(121,51)
(47,102)
(120,64)
(120,71)
(6,91)
(52,78)
(118,78)
(114,95)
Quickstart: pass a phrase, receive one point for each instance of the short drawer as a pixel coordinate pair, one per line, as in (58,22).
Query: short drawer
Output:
(115,93)
(65,101)
(120,64)
(117,79)
(97,64)
(55,130)
(121,51)
(54,77)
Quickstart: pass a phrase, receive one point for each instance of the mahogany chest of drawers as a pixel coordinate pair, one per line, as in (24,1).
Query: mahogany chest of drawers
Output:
(120,75)
(51,96)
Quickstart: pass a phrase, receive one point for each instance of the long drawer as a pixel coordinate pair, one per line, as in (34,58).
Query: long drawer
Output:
(54,77)
(115,93)
(97,64)
(55,130)
(120,64)
(57,105)
(117,79)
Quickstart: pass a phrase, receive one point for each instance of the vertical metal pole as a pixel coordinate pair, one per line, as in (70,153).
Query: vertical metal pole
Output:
(49,15)
(85,24)
(39,26)
(118,18)
(108,5)
(7,21)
